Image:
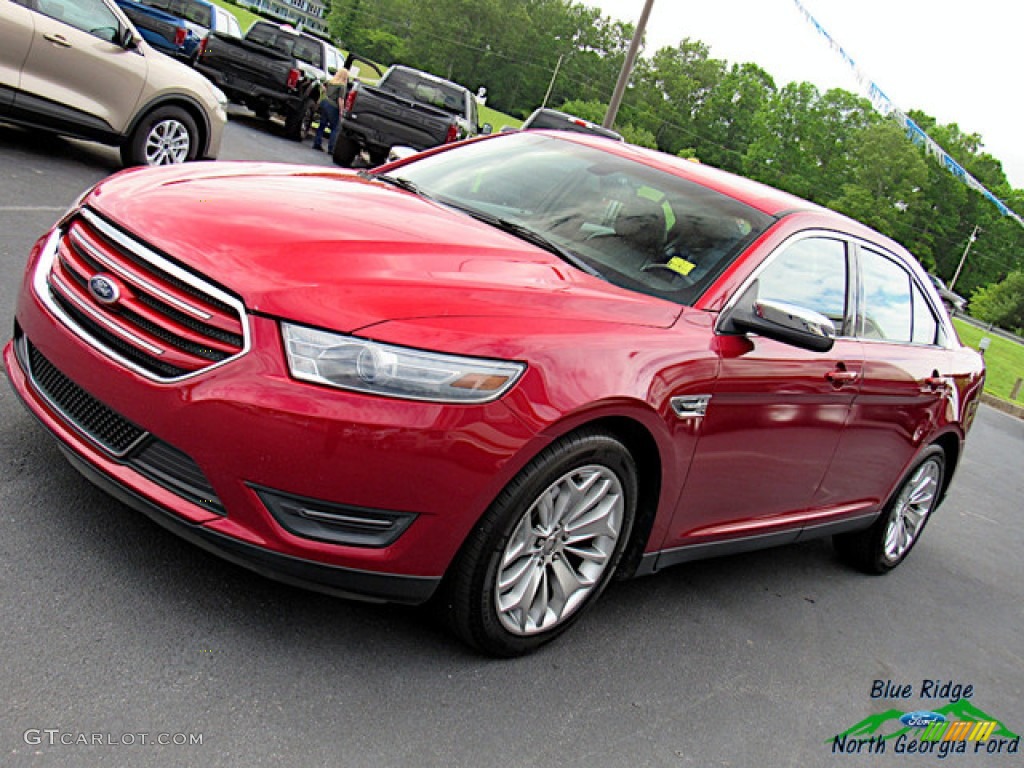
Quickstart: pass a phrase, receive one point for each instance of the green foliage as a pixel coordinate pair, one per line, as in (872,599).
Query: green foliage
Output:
(1001,303)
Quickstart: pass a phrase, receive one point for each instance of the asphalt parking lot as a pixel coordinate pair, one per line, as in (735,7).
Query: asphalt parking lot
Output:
(118,637)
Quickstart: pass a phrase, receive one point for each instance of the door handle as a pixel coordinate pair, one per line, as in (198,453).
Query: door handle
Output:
(59,40)
(935,383)
(840,377)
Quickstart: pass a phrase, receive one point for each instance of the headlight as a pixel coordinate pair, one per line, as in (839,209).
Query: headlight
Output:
(382,369)
(75,205)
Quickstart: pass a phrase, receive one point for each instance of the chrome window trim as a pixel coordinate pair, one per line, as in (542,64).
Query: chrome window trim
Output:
(915,271)
(918,277)
(805,234)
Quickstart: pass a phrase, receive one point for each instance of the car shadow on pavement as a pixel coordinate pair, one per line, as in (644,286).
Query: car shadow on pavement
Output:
(53,148)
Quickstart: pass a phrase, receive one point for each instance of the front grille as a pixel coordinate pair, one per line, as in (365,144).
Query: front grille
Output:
(91,417)
(138,306)
(161,462)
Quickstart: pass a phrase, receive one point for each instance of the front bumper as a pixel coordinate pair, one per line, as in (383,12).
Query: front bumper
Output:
(247,427)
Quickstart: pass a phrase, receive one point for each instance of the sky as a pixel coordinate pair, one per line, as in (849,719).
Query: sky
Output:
(957,60)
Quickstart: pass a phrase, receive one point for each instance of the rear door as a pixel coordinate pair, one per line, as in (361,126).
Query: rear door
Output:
(76,74)
(907,389)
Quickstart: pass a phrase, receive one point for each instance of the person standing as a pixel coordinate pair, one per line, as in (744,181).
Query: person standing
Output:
(330,110)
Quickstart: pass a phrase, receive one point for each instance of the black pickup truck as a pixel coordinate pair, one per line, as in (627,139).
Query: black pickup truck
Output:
(272,70)
(406,108)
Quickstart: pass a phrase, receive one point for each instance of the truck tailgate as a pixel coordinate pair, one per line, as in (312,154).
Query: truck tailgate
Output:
(239,62)
(401,120)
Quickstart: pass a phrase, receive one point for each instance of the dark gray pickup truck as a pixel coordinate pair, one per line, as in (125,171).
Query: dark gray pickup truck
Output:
(272,70)
(406,108)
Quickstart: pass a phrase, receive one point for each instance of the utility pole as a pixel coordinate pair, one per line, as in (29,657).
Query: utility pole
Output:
(627,66)
(970,241)
(552,83)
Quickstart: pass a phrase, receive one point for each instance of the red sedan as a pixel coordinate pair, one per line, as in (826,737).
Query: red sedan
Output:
(495,374)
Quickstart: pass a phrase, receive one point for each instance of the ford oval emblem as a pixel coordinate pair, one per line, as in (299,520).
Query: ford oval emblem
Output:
(922,718)
(104,289)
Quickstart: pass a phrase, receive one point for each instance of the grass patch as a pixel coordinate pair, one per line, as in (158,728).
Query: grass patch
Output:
(1004,359)
(497,119)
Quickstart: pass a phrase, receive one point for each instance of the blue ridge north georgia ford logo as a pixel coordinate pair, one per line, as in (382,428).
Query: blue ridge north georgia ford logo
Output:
(104,289)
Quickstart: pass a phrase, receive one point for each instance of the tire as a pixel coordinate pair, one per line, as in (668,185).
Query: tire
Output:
(164,137)
(378,156)
(345,151)
(546,548)
(888,541)
(298,126)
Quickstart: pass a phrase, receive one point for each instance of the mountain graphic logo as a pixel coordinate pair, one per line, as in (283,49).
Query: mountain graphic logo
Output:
(887,725)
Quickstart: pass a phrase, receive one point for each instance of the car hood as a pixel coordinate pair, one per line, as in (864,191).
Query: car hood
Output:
(336,250)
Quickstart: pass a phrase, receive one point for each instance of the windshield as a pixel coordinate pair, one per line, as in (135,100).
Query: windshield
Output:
(637,227)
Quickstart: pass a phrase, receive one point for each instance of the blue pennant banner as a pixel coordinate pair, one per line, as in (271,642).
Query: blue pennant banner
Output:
(883,104)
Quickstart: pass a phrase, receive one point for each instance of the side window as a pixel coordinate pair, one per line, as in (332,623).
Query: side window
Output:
(811,273)
(888,309)
(90,16)
(926,327)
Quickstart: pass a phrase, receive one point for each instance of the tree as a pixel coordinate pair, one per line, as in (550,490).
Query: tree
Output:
(1001,303)
(725,118)
(886,177)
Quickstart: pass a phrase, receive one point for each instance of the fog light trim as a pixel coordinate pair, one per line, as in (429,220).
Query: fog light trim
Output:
(335,523)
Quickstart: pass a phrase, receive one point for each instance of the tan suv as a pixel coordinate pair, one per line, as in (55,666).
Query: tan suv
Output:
(79,68)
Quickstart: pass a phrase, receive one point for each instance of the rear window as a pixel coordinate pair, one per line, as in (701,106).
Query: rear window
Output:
(411,85)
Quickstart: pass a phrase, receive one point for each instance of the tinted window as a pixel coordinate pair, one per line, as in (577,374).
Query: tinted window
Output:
(811,273)
(415,87)
(888,311)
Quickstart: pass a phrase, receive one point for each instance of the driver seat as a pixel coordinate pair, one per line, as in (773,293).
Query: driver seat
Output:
(639,237)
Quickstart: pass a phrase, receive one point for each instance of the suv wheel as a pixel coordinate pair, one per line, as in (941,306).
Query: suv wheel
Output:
(164,137)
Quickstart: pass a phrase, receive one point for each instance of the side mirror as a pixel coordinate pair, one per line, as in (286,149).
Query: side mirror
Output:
(126,39)
(781,321)
(486,129)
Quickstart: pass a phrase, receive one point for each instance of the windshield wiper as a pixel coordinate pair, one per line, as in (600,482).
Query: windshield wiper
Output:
(394,181)
(529,235)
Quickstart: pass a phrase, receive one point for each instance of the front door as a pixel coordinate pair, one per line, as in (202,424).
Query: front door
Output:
(776,413)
